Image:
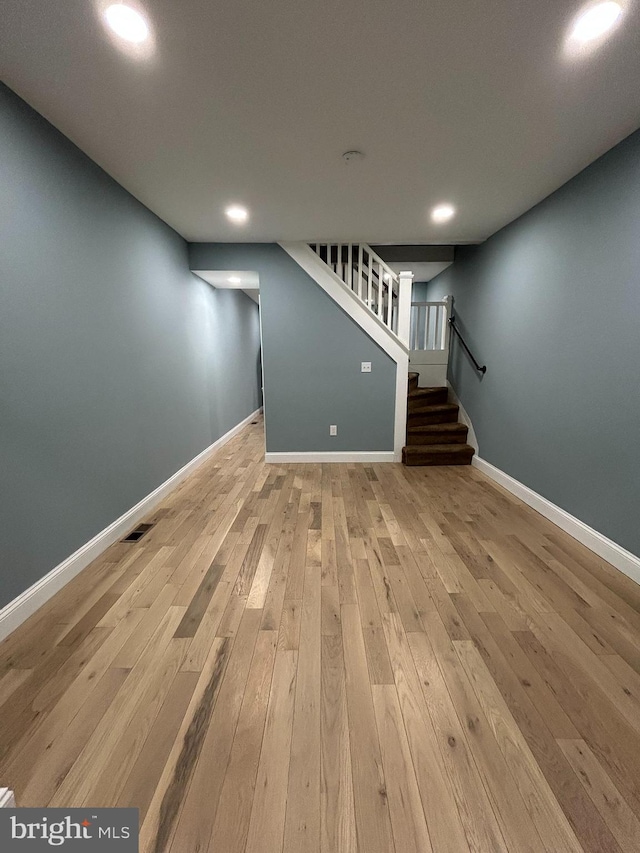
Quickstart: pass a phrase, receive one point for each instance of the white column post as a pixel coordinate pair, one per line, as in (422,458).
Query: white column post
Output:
(448,312)
(404,306)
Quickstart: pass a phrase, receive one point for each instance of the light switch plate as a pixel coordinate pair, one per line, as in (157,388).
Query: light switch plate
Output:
(333,429)
(365,367)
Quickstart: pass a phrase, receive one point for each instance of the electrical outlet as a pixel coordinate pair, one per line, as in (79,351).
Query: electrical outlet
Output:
(365,367)
(333,429)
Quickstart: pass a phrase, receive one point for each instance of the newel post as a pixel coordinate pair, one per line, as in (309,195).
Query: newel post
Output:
(448,301)
(404,306)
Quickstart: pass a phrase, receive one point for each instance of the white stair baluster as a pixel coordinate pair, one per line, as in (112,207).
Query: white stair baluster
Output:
(404,306)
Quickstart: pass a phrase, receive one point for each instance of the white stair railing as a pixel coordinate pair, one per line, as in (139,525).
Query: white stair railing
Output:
(429,341)
(385,293)
(429,326)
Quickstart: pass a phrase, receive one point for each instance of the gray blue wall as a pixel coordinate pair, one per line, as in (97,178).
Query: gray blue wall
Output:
(312,352)
(552,305)
(419,291)
(117,365)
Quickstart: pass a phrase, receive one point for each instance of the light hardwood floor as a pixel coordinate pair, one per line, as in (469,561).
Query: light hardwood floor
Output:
(337,658)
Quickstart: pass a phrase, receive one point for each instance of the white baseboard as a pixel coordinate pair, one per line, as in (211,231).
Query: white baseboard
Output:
(18,610)
(609,550)
(464,418)
(7,799)
(345,456)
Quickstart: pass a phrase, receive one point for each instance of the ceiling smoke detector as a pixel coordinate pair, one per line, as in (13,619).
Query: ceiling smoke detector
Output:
(352,156)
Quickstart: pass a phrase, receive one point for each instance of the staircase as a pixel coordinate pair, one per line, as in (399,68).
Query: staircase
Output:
(372,282)
(434,434)
(377,299)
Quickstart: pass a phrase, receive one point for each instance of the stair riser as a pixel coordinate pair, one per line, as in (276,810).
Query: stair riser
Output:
(428,397)
(424,461)
(420,406)
(426,418)
(437,455)
(443,441)
(425,409)
(437,438)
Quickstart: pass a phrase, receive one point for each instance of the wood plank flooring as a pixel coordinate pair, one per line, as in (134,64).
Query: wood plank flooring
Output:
(336,659)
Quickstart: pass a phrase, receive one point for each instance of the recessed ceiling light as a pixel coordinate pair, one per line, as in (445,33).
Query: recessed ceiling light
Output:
(127,23)
(443,213)
(595,21)
(234,279)
(236,213)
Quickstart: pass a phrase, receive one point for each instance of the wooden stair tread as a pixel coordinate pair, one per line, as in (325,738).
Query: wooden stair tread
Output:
(427,392)
(418,401)
(432,414)
(446,433)
(437,407)
(455,426)
(434,435)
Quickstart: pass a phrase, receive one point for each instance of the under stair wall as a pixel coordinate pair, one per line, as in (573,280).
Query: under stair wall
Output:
(312,353)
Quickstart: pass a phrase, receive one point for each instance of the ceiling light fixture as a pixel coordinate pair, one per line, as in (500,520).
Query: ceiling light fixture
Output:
(127,23)
(595,21)
(443,213)
(236,213)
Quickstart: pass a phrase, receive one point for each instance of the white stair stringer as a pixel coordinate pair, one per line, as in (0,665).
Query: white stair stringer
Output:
(387,340)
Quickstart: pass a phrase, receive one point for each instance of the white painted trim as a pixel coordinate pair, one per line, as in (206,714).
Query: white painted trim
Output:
(17,611)
(264,402)
(405,285)
(609,550)
(7,799)
(464,418)
(332,284)
(311,263)
(344,456)
(400,424)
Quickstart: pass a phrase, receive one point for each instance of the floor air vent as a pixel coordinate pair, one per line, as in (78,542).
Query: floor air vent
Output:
(137,534)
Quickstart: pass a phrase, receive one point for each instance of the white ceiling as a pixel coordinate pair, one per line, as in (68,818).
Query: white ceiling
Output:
(246,280)
(422,270)
(253,102)
(222,278)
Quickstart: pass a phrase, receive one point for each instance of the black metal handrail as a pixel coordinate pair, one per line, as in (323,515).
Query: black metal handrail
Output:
(481,369)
